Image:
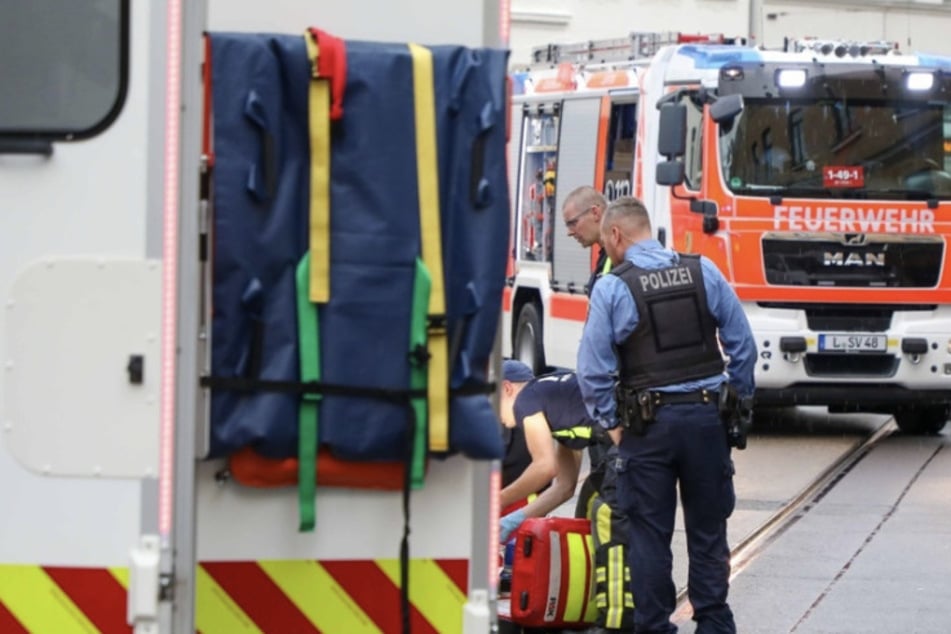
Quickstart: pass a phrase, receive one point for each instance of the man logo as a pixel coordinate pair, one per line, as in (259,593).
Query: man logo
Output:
(854,238)
(838,258)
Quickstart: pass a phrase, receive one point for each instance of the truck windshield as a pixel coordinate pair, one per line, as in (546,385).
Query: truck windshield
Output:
(838,149)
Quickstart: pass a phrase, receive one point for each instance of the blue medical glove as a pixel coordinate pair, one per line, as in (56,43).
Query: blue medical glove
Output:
(509,523)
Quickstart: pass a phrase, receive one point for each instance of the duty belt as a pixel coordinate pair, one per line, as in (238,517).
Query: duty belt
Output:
(681,398)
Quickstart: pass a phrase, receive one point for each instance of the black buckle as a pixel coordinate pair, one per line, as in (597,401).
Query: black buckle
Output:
(419,355)
(436,323)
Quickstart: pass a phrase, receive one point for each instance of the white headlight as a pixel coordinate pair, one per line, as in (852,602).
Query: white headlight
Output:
(919,81)
(791,78)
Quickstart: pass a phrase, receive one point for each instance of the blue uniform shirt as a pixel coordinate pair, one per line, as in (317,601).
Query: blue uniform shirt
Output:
(612,316)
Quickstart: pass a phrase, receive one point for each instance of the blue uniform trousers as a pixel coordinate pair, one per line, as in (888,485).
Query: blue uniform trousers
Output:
(684,445)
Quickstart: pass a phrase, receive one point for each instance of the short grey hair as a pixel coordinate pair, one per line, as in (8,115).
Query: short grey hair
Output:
(584,197)
(629,213)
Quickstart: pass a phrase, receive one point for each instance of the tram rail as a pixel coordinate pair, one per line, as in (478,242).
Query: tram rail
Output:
(758,540)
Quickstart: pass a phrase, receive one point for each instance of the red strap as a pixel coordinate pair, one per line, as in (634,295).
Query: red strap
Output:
(206,122)
(332,64)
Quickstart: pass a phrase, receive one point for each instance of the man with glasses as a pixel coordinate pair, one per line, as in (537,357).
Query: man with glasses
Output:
(582,212)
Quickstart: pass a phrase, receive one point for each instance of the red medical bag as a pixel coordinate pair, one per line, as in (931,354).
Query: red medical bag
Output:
(552,574)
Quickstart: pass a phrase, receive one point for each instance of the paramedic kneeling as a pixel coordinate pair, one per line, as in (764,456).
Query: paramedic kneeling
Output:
(651,372)
(547,408)
(542,409)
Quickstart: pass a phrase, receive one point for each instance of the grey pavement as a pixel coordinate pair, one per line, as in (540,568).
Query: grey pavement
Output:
(872,555)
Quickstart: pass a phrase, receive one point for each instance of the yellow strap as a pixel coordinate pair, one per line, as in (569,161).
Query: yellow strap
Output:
(318,122)
(431,237)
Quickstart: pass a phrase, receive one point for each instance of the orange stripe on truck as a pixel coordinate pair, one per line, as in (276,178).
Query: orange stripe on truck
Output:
(571,307)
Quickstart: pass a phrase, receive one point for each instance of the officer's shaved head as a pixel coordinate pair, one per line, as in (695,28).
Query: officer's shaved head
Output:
(630,215)
(625,223)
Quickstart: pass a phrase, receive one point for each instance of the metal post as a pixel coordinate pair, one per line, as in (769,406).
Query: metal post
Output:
(178,549)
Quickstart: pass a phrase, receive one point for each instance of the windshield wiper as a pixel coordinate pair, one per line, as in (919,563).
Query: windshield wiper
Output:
(909,194)
(778,192)
(793,191)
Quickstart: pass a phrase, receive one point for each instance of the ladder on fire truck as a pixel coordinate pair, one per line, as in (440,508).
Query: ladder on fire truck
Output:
(638,45)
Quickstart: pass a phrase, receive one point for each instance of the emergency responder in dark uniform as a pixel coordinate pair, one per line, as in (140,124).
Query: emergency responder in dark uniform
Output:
(534,411)
(544,408)
(651,372)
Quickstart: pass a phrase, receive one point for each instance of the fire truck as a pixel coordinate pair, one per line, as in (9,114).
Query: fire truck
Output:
(817,177)
(153,166)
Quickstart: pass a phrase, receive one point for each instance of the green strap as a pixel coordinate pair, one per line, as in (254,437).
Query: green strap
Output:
(309,343)
(422,286)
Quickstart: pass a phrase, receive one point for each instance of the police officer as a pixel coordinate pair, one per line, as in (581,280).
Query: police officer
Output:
(649,357)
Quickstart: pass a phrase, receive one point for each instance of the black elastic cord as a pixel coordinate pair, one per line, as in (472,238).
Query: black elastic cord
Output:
(241,384)
(404,544)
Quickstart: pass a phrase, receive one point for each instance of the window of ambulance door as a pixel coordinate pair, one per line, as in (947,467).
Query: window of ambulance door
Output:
(619,157)
(64,68)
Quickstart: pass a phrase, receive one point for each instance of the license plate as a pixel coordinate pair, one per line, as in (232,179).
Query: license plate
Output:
(853,343)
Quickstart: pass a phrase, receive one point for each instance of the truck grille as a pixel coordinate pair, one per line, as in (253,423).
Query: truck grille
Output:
(851,365)
(852,260)
(848,317)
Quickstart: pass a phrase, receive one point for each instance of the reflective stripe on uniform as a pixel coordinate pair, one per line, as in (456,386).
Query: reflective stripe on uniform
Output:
(580,431)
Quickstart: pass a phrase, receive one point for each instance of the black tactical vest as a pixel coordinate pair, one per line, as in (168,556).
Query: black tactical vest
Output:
(675,339)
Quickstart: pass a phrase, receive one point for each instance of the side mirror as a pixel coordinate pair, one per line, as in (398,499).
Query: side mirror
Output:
(672,138)
(726,108)
(670,173)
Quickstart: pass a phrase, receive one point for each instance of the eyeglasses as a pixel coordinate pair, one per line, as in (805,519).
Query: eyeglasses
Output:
(571,222)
